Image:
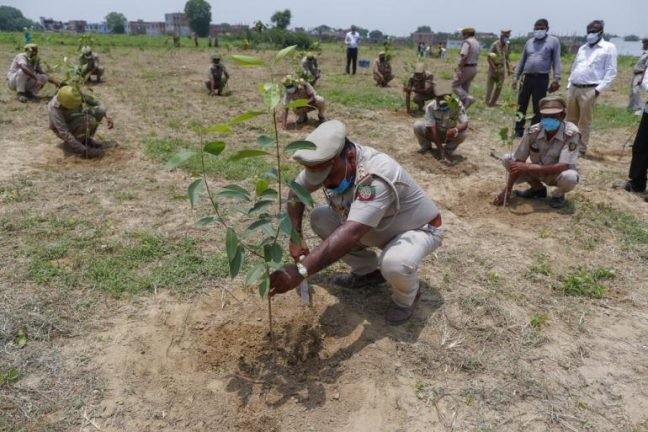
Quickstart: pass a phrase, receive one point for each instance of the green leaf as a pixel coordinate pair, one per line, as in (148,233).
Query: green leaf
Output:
(264,286)
(285,225)
(284,52)
(269,194)
(265,141)
(207,220)
(303,195)
(234,191)
(300,145)
(214,148)
(261,185)
(193,191)
(248,61)
(257,224)
(245,116)
(272,174)
(236,263)
(276,252)
(231,243)
(261,205)
(271,95)
(254,274)
(503,133)
(179,158)
(220,128)
(248,153)
(21,338)
(299,103)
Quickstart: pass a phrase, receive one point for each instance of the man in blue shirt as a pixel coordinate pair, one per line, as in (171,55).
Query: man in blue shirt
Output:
(540,54)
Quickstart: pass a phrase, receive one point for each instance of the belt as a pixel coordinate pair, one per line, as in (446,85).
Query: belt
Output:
(536,74)
(639,73)
(584,85)
(470,64)
(436,222)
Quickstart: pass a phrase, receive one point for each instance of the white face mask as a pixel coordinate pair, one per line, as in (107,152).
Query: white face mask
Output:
(291,90)
(593,38)
(539,34)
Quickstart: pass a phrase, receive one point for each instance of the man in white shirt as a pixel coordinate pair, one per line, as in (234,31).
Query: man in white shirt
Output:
(639,163)
(635,104)
(351,41)
(593,71)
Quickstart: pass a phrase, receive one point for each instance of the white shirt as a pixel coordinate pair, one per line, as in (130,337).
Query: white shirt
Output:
(644,82)
(351,39)
(595,65)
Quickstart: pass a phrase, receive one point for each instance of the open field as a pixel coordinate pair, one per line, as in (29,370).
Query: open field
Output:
(116,312)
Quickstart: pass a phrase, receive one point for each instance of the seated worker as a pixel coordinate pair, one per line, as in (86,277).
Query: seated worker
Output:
(74,117)
(372,202)
(217,76)
(89,64)
(382,70)
(552,145)
(26,76)
(422,84)
(299,89)
(445,123)
(310,68)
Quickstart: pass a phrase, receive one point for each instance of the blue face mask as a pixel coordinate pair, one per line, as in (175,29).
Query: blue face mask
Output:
(443,108)
(345,184)
(550,124)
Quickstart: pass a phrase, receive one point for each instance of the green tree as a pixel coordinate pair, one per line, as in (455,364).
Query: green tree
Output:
(423,29)
(281,19)
(116,22)
(376,36)
(631,38)
(198,13)
(363,32)
(12,19)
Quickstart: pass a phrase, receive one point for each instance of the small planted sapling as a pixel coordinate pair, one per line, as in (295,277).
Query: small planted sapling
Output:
(255,222)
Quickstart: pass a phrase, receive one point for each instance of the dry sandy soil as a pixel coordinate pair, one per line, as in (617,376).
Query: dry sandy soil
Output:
(495,344)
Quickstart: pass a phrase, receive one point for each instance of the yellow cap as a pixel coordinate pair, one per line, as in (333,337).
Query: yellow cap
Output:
(69,97)
(30,46)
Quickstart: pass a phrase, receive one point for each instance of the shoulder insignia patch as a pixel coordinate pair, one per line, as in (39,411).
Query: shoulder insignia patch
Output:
(572,146)
(366,192)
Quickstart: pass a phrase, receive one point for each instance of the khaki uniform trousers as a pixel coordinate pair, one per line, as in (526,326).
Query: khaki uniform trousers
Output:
(319,105)
(84,126)
(387,77)
(420,99)
(400,257)
(421,132)
(494,80)
(461,87)
(565,181)
(23,83)
(580,107)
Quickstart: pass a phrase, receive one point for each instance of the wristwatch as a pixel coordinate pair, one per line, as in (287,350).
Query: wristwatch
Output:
(303,271)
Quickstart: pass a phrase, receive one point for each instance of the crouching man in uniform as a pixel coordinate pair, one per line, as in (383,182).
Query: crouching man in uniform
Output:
(552,145)
(372,202)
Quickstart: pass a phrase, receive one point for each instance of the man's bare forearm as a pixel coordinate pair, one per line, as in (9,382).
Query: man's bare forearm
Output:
(295,210)
(334,247)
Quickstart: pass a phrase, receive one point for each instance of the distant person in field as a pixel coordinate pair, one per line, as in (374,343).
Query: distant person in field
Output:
(297,89)
(639,162)
(635,104)
(499,66)
(26,76)
(310,68)
(592,72)
(382,70)
(89,63)
(420,50)
(217,76)
(28,36)
(540,54)
(377,219)
(552,147)
(176,40)
(445,123)
(74,117)
(351,40)
(467,67)
(421,83)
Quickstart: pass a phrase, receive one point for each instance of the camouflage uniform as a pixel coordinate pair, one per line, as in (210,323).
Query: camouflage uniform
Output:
(76,126)
(499,56)
(422,84)
(443,121)
(311,69)
(90,66)
(382,68)
(219,73)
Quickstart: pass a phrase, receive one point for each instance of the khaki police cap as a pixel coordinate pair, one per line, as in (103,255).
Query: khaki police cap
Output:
(329,142)
(442,88)
(644,40)
(465,30)
(553,109)
(216,56)
(30,46)
(505,32)
(419,68)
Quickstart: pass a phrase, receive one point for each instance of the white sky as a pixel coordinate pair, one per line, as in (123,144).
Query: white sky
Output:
(394,17)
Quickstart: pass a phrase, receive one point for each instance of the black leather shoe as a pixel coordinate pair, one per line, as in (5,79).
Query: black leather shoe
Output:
(532,193)
(557,202)
(354,280)
(397,315)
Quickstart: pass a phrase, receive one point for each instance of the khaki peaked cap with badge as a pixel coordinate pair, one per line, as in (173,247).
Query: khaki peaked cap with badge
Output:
(329,140)
(553,109)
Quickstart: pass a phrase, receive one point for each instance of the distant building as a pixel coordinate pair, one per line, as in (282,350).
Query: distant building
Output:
(176,23)
(150,28)
(77,26)
(50,24)
(227,29)
(101,28)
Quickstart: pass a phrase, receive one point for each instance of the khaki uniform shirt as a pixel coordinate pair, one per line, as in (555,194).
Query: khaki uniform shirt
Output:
(217,71)
(310,66)
(642,63)
(384,197)
(470,49)
(425,81)
(304,91)
(444,120)
(22,60)
(60,117)
(383,68)
(90,63)
(562,148)
(502,52)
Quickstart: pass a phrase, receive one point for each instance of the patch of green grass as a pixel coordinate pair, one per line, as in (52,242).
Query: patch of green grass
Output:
(10,376)
(610,117)
(538,320)
(540,266)
(126,196)
(586,283)
(633,230)
(18,189)
(356,93)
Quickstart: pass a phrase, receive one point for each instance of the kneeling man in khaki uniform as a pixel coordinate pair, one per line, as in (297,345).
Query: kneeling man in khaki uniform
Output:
(552,145)
(372,202)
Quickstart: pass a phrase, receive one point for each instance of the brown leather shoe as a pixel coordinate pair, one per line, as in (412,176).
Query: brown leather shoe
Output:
(397,315)
(354,280)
